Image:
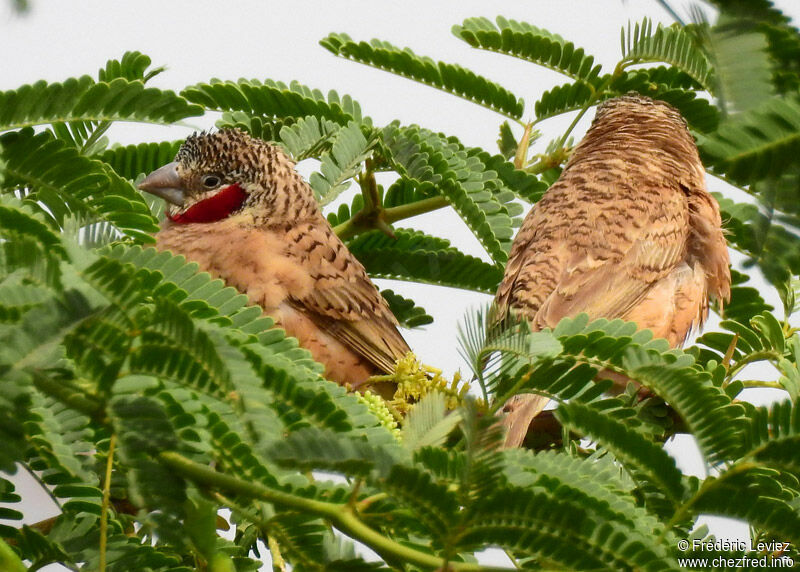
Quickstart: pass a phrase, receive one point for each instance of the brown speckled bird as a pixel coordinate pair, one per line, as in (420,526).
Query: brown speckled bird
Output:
(238,208)
(628,231)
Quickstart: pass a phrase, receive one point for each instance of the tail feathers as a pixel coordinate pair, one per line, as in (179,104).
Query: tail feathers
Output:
(520,410)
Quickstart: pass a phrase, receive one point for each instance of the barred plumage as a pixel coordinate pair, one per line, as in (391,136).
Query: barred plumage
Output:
(628,231)
(241,211)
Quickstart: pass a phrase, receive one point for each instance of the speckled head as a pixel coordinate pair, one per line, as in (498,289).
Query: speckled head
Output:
(216,175)
(641,130)
(634,104)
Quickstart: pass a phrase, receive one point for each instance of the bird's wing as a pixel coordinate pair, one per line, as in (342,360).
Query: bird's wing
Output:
(599,260)
(343,301)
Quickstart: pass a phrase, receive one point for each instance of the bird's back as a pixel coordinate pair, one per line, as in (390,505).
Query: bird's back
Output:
(630,213)
(628,231)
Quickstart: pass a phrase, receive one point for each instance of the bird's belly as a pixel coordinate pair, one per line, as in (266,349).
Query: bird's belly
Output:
(342,365)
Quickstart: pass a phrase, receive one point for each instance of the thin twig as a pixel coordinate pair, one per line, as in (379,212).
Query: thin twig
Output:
(105,506)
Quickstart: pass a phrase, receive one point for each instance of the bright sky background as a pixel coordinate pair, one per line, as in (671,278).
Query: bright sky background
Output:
(200,40)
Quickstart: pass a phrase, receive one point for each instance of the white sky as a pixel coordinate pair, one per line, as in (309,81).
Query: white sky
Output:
(199,40)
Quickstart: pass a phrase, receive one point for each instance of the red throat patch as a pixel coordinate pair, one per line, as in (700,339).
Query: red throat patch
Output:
(220,206)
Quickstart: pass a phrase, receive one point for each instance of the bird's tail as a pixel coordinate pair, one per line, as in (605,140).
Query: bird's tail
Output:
(520,411)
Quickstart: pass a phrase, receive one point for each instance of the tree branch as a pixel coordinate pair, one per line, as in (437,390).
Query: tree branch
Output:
(369,219)
(340,515)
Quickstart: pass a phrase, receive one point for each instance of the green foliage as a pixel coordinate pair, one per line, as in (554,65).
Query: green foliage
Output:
(130,161)
(145,396)
(273,99)
(83,99)
(527,42)
(407,313)
(428,159)
(665,44)
(349,150)
(55,176)
(758,144)
(415,256)
(626,444)
(448,77)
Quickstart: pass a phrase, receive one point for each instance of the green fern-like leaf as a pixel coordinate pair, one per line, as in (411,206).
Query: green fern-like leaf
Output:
(756,144)
(9,498)
(774,436)
(311,449)
(286,371)
(767,243)
(61,447)
(22,220)
(451,78)
(630,447)
(75,542)
(671,45)
(197,293)
(17,297)
(507,142)
(532,522)
(131,161)
(668,84)
(408,314)
(64,182)
(349,149)
(308,137)
(431,160)
(596,483)
(755,495)
(421,258)
(562,363)
(88,135)
(745,301)
(428,424)
(527,42)
(717,426)
(563,98)
(509,182)
(274,99)
(85,100)
(266,128)
(761,335)
(172,347)
(131,66)
(741,63)
(231,450)
(434,505)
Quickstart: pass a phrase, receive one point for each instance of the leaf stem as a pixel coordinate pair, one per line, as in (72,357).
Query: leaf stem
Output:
(365,219)
(565,136)
(278,563)
(105,505)
(95,136)
(341,516)
(708,484)
(750,358)
(9,559)
(68,395)
(393,214)
(764,384)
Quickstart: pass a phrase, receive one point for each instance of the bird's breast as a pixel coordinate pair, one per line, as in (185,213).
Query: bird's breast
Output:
(252,260)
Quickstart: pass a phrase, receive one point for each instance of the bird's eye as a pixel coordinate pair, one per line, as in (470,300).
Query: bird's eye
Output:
(210,181)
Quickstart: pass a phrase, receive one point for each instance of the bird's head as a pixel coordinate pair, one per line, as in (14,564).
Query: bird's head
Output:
(216,175)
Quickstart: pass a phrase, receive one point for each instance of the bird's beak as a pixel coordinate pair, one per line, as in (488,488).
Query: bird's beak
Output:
(165,183)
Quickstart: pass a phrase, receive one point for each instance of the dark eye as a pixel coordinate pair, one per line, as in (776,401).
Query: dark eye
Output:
(210,181)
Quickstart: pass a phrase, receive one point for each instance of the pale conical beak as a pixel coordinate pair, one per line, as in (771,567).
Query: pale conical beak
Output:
(165,183)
